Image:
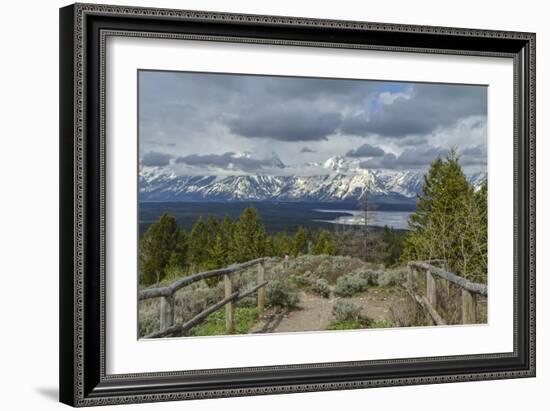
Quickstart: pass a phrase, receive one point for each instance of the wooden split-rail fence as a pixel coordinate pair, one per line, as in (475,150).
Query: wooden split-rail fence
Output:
(470,290)
(167,296)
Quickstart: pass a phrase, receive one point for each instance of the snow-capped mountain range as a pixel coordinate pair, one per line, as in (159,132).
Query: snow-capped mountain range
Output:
(344,180)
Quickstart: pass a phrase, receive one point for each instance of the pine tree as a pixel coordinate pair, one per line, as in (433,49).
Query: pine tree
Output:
(212,228)
(270,247)
(217,258)
(223,241)
(324,244)
(162,244)
(174,268)
(218,253)
(282,245)
(248,240)
(300,242)
(393,246)
(197,244)
(471,233)
(448,223)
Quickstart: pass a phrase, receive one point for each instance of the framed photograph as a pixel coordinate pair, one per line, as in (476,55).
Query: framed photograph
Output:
(261,204)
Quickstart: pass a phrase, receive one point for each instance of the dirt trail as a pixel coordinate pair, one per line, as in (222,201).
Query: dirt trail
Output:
(315,312)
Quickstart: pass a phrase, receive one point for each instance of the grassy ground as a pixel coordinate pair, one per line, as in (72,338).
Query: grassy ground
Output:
(243,320)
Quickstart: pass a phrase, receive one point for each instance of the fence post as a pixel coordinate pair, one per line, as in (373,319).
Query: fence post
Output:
(411,274)
(447,288)
(166,311)
(228,306)
(431,290)
(469,307)
(261,291)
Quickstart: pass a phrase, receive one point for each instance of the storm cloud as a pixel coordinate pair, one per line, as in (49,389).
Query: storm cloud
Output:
(286,123)
(209,121)
(156,159)
(409,158)
(473,155)
(422,156)
(427,108)
(366,150)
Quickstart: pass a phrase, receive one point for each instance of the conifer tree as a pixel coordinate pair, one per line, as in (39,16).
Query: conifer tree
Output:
(448,223)
(300,242)
(270,247)
(162,244)
(212,228)
(248,240)
(393,246)
(197,244)
(218,258)
(471,233)
(324,244)
(222,242)
(282,244)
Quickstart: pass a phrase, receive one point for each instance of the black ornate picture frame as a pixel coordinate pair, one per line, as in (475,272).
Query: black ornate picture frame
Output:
(84,29)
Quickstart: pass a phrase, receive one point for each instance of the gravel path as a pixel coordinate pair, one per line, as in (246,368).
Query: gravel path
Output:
(315,312)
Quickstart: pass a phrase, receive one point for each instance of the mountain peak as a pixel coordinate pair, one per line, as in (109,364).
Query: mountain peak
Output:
(275,161)
(341,164)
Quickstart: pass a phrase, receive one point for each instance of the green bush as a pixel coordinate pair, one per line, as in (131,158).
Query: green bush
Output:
(382,324)
(390,278)
(148,320)
(277,295)
(321,287)
(371,277)
(345,325)
(299,280)
(345,310)
(349,284)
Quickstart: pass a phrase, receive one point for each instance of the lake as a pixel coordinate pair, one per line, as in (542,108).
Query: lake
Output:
(396,219)
(276,216)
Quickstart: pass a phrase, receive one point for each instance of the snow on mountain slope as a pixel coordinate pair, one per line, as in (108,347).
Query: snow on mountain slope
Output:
(344,180)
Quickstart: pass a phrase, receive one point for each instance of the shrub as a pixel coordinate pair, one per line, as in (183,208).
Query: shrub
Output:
(148,320)
(249,301)
(321,287)
(345,310)
(350,284)
(277,295)
(390,278)
(370,277)
(345,325)
(382,324)
(299,280)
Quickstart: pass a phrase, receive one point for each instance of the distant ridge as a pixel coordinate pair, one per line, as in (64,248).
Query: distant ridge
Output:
(344,181)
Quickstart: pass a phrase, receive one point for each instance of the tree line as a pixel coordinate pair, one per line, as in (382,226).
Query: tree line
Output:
(450,222)
(214,243)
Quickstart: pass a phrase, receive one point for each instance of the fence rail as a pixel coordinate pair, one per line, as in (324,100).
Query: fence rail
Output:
(167,294)
(470,290)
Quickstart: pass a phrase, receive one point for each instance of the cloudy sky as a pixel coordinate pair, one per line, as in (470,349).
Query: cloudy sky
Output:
(196,123)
